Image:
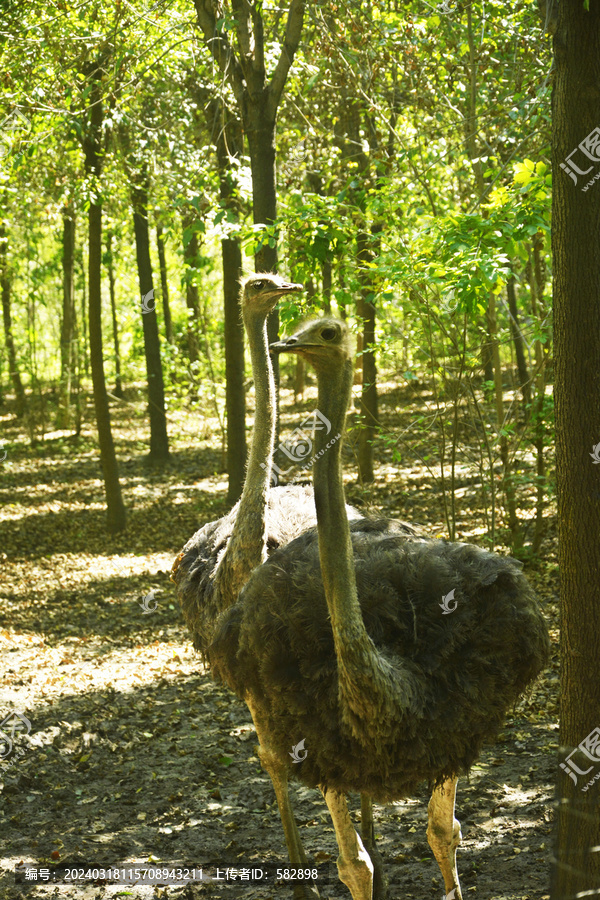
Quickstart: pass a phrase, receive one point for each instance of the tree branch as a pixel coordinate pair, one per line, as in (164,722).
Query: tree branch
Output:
(293,32)
(220,48)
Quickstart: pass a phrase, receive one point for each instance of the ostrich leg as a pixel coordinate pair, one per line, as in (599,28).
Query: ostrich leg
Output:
(443,834)
(277,772)
(367,833)
(354,864)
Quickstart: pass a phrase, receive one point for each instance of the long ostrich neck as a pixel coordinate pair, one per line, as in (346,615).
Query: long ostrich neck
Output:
(335,548)
(370,692)
(247,545)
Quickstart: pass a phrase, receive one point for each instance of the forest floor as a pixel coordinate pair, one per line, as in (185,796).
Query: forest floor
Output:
(135,757)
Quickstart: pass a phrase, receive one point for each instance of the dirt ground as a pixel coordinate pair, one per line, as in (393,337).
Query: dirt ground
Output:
(135,756)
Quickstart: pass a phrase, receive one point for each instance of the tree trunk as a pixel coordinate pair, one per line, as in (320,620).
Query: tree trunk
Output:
(9,341)
(159,441)
(84,343)
(113,309)
(326,269)
(258,99)
(191,252)
(519,344)
(63,418)
(112,487)
(368,399)
(164,286)
(228,143)
(576,254)
(261,142)
(507,479)
(538,410)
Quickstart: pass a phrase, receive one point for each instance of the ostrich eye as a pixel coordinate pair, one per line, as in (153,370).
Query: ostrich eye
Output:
(328,334)
(259,285)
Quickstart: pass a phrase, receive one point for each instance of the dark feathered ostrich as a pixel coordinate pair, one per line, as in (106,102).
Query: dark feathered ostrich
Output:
(339,640)
(217,561)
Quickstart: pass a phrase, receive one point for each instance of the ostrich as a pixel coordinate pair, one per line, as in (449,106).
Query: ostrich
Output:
(217,561)
(339,640)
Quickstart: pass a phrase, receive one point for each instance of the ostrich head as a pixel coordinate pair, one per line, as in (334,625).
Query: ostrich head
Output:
(261,292)
(326,344)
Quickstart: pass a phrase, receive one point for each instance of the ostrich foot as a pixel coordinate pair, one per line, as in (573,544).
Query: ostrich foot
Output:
(367,833)
(443,834)
(354,863)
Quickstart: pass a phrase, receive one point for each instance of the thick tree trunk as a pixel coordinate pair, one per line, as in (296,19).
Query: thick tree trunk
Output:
(9,341)
(63,418)
(576,254)
(164,285)
(114,501)
(113,309)
(159,441)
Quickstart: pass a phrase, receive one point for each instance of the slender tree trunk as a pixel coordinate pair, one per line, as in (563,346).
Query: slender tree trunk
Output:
(368,400)
(538,412)
(507,480)
(228,142)
(9,341)
(191,253)
(159,441)
(261,141)
(519,344)
(63,419)
(112,487)
(300,372)
(164,285)
(113,308)
(326,269)
(576,254)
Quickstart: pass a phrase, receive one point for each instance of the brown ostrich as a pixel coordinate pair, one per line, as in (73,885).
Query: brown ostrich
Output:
(338,640)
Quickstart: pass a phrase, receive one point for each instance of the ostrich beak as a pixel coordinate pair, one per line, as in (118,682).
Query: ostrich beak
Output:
(288,287)
(289,344)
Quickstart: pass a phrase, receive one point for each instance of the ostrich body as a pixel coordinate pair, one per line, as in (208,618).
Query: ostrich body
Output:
(339,640)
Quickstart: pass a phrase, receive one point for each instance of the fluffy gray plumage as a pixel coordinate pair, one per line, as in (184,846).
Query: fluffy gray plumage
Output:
(459,672)
(291,511)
